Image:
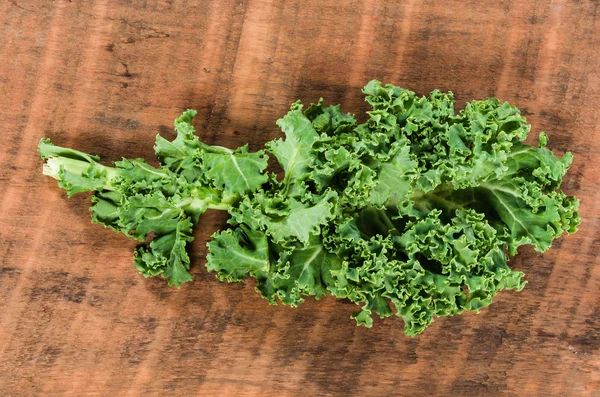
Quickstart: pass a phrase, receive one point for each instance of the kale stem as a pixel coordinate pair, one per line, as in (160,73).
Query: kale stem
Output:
(204,198)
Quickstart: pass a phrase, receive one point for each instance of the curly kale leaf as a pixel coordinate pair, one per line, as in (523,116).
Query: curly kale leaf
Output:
(415,212)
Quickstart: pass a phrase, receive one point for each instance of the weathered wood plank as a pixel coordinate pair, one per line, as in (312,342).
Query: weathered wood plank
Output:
(106,77)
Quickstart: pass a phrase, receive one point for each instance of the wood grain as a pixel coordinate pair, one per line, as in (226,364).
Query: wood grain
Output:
(107,76)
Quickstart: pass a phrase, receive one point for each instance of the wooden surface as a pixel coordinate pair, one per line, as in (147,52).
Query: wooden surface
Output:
(106,76)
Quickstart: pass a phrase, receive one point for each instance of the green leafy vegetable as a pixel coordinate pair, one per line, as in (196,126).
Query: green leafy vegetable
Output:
(414,212)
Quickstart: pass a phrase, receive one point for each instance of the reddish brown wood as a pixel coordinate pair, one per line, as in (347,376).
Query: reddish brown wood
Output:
(107,76)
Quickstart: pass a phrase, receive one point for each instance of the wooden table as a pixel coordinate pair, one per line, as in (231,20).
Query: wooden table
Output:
(106,76)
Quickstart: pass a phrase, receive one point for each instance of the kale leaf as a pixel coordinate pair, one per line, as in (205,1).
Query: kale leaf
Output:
(414,212)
